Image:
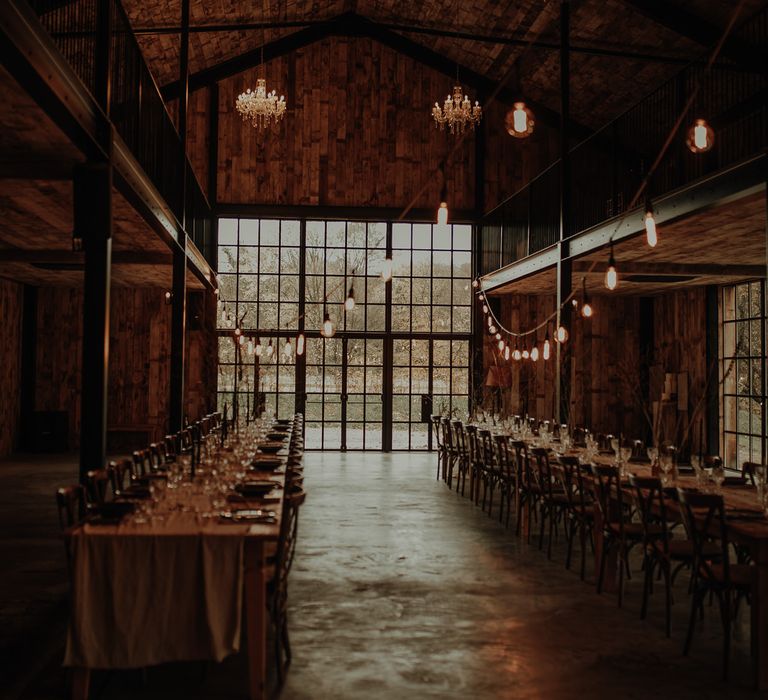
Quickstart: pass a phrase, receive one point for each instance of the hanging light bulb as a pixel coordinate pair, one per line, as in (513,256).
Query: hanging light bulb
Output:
(501,345)
(490,322)
(249,349)
(485,308)
(506,352)
(328,328)
(349,304)
(442,214)
(258,348)
(526,354)
(516,355)
(700,137)
(475,283)
(224,312)
(498,336)
(519,121)
(650,225)
(535,353)
(270,349)
(386,270)
(547,349)
(300,344)
(586,307)
(492,330)
(611,275)
(288,349)
(241,339)
(237,331)
(562,334)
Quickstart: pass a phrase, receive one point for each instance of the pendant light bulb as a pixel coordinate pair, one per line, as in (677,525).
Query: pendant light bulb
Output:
(258,348)
(516,355)
(546,352)
(300,344)
(501,345)
(650,226)
(328,328)
(386,270)
(700,137)
(442,214)
(535,353)
(498,336)
(349,304)
(288,349)
(249,349)
(506,352)
(492,330)
(485,308)
(586,306)
(475,283)
(519,121)
(526,354)
(270,349)
(237,331)
(241,339)
(562,334)
(611,274)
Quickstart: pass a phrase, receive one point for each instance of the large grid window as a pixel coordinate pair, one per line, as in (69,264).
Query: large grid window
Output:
(409,357)
(742,366)
(259,263)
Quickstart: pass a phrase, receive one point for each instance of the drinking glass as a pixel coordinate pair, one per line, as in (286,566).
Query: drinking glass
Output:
(665,464)
(653,455)
(718,476)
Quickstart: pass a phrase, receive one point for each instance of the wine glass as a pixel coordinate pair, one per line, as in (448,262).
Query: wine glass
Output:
(653,455)
(718,476)
(665,464)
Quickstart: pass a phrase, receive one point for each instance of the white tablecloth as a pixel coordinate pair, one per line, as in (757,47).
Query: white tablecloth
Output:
(155,595)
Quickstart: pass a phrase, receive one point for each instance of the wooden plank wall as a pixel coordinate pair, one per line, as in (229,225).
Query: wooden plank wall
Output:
(604,354)
(139,359)
(11,308)
(358,132)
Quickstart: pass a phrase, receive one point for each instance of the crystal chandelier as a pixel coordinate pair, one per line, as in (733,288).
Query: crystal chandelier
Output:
(457,112)
(259,107)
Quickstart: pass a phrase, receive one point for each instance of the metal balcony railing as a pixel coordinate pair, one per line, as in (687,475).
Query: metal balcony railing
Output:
(607,168)
(136,107)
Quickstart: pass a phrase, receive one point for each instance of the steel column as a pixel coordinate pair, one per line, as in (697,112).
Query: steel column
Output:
(179,299)
(92,195)
(564,264)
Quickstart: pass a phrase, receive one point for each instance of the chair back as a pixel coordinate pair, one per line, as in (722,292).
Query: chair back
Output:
(70,501)
(571,477)
(749,469)
(473,444)
(445,427)
(704,517)
(485,446)
(435,420)
(286,544)
(460,439)
(120,473)
(542,469)
(609,492)
(650,503)
(97,484)
(505,457)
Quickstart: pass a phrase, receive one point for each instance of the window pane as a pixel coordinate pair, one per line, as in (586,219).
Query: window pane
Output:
(227,232)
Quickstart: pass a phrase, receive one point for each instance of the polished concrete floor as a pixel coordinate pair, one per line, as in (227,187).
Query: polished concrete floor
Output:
(402,589)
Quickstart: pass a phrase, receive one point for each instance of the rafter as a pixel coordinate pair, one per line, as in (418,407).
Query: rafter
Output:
(697,29)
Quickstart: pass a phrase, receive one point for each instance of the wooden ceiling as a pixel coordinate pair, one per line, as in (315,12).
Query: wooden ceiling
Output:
(36,206)
(722,245)
(602,86)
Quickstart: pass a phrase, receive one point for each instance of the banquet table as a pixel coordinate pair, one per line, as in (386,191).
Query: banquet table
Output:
(173,589)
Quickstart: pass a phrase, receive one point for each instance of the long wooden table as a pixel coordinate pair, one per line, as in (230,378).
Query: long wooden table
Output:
(188,533)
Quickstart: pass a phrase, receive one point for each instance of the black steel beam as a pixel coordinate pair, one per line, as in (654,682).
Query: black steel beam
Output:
(693,27)
(387,360)
(92,196)
(711,418)
(287,211)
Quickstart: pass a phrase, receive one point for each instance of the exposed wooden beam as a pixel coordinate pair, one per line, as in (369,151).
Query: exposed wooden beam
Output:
(671,268)
(693,27)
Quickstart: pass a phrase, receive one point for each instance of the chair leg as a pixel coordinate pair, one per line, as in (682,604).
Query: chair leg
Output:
(647,579)
(490,500)
(601,574)
(691,622)
(570,531)
(725,612)
(583,538)
(668,599)
(552,514)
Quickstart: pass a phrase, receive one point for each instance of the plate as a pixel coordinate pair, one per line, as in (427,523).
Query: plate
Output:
(270,447)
